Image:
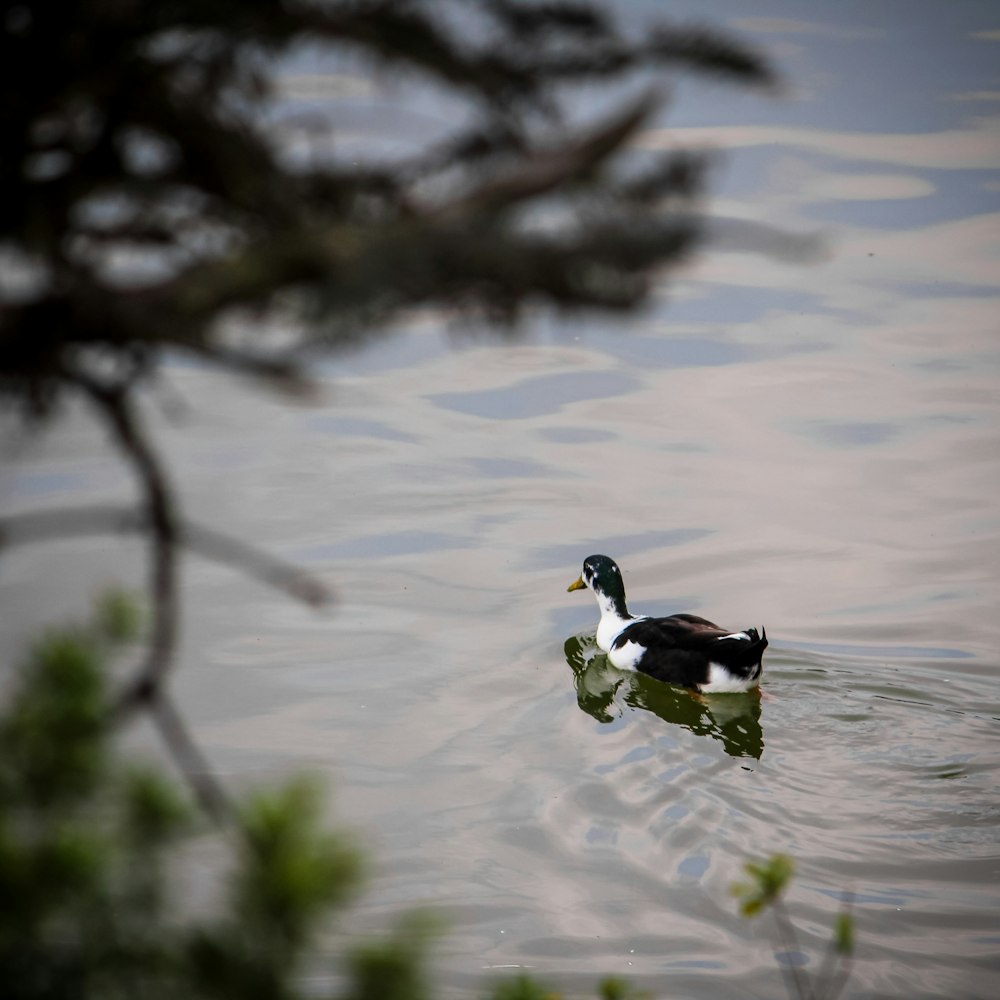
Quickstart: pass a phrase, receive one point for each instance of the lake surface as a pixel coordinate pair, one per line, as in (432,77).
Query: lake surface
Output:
(807,445)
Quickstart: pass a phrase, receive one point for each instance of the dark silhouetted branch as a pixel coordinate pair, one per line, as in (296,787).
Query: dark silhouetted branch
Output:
(800,985)
(114,405)
(193,767)
(217,546)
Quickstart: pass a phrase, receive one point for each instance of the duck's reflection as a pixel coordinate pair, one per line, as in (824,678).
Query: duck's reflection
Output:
(604,692)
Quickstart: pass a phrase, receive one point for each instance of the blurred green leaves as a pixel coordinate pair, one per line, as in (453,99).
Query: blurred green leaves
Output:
(292,871)
(95,864)
(523,988)
(81,841)
(614,988)
(91,870)
(768,881)
(89,900)
(393,968)
(117,617)
(844,934)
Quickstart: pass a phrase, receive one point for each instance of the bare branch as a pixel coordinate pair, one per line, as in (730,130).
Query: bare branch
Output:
(790,943)
(114,405)
(216,546)
(546,170)
(192,765)
(835,969)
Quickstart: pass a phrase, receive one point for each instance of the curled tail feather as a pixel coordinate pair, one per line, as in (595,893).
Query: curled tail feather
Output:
(739,652)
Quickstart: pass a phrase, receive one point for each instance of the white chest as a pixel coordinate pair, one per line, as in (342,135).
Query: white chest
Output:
(610,627)
(627,655)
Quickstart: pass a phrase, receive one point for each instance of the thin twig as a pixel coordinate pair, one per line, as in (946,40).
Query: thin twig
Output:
(836,965)
(216,546)
(790,943)
(283,374)
(839,980)
(546,170)
(189,760)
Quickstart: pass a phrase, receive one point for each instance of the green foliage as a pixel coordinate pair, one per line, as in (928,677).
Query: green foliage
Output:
(153,811)
(292,871)
(844,934)
(87,900)
(769,881)
(523,988)
(88,906)
(117,617)
(51,751)
(393,969)
(614,988)
(89,839)
(80,845)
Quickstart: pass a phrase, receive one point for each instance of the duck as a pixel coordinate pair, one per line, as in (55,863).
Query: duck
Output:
(681,649)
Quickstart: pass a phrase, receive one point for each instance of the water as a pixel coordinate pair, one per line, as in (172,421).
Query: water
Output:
(811,447)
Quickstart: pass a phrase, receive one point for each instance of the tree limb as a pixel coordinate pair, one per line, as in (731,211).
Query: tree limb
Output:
(216,546)
(114,405)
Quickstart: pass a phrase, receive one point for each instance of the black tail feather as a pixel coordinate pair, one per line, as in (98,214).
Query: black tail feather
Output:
(738,653)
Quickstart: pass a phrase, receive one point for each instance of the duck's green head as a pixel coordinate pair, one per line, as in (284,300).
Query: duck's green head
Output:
(602,576)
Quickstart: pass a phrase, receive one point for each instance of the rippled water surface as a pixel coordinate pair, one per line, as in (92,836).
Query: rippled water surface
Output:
(809,445)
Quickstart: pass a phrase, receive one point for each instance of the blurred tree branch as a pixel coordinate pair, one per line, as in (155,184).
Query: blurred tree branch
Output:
(217,546)
(150,207)
(135,131)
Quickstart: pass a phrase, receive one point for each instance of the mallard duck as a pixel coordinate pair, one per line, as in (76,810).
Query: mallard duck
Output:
(679,649)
